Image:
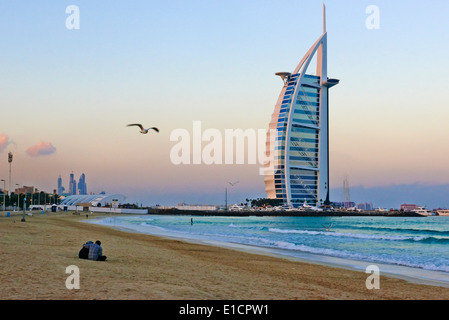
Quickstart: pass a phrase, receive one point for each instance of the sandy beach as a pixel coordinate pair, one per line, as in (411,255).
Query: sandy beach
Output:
(34,256)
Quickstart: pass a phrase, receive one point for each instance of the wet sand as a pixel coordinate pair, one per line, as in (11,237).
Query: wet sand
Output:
(34,256)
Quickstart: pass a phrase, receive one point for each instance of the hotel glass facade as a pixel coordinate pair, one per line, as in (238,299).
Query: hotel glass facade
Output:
(298,153)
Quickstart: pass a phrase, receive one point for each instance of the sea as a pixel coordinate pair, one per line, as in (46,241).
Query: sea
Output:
(413,248)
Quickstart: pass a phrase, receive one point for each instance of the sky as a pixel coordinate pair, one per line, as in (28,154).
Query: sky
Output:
(67,94)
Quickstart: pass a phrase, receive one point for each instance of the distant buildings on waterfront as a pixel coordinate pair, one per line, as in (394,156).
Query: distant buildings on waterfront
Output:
(73,190)
(72,184)
(365,206)
(60,187)
(25,189)
(82,186)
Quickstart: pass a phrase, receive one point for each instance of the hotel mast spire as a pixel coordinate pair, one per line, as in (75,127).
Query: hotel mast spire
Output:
(324,18)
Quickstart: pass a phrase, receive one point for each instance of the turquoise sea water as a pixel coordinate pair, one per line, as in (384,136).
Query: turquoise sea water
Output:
(402,245)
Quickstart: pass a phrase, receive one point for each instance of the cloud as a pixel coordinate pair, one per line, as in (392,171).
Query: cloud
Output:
(42,149)
(4,141)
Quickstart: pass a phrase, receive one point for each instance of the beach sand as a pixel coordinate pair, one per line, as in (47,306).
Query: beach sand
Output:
(34,256)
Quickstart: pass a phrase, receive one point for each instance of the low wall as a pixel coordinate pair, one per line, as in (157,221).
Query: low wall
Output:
(104,210)
(119,210)
(284,213)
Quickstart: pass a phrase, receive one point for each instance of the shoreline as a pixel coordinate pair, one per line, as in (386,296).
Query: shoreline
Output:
(36,253)
(410,274)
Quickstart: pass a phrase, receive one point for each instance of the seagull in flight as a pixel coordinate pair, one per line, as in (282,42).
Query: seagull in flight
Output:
(233,183)
(328,228)
(142,129)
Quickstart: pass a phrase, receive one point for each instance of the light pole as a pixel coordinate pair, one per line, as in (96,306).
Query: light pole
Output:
(9,160)
(226,198)
(226,192)
(4,194)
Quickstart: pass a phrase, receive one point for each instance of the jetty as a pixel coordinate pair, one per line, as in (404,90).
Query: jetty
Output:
(281,213)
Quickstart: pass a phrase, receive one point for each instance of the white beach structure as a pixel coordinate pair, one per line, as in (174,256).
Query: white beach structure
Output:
(107,203)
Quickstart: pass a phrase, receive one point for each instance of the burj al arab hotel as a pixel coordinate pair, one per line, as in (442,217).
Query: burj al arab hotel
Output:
(298,152)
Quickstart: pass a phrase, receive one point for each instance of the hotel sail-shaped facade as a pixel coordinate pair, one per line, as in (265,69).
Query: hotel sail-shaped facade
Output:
(298,153)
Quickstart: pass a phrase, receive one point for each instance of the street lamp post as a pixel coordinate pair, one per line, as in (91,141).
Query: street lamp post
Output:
(226,198)
(9,160)
(24,207)
(226,192)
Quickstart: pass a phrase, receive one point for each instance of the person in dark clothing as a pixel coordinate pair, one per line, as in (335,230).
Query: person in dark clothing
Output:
(96,252)
(84,252)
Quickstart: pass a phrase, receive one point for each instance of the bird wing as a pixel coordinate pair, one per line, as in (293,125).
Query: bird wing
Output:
(135,124)
(155,129)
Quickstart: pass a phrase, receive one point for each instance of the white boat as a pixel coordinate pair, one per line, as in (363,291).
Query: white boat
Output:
(443,212)
(236,207)
(291,208)
(309,207)
(422,211)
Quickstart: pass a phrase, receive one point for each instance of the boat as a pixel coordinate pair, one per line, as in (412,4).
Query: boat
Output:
(443,212)
(422,211)
(236,207)
(310,208)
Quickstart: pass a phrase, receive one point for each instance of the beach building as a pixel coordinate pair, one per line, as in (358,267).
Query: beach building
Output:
(25,190)
(106,203)
(96,200)
(298,169)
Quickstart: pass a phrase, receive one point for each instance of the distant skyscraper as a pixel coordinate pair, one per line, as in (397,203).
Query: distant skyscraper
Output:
(82,186)
(60,187)
(299,154)
(72,184)
(364,206)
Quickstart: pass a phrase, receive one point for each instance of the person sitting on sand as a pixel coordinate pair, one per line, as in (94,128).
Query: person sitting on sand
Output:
(96,252)
(84,252)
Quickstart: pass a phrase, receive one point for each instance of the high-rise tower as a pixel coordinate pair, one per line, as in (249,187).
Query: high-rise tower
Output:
(72,184)
(60,187)
(299,153)
(82,186)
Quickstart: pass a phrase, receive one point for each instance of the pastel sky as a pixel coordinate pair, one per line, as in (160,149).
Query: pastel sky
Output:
(67,95)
